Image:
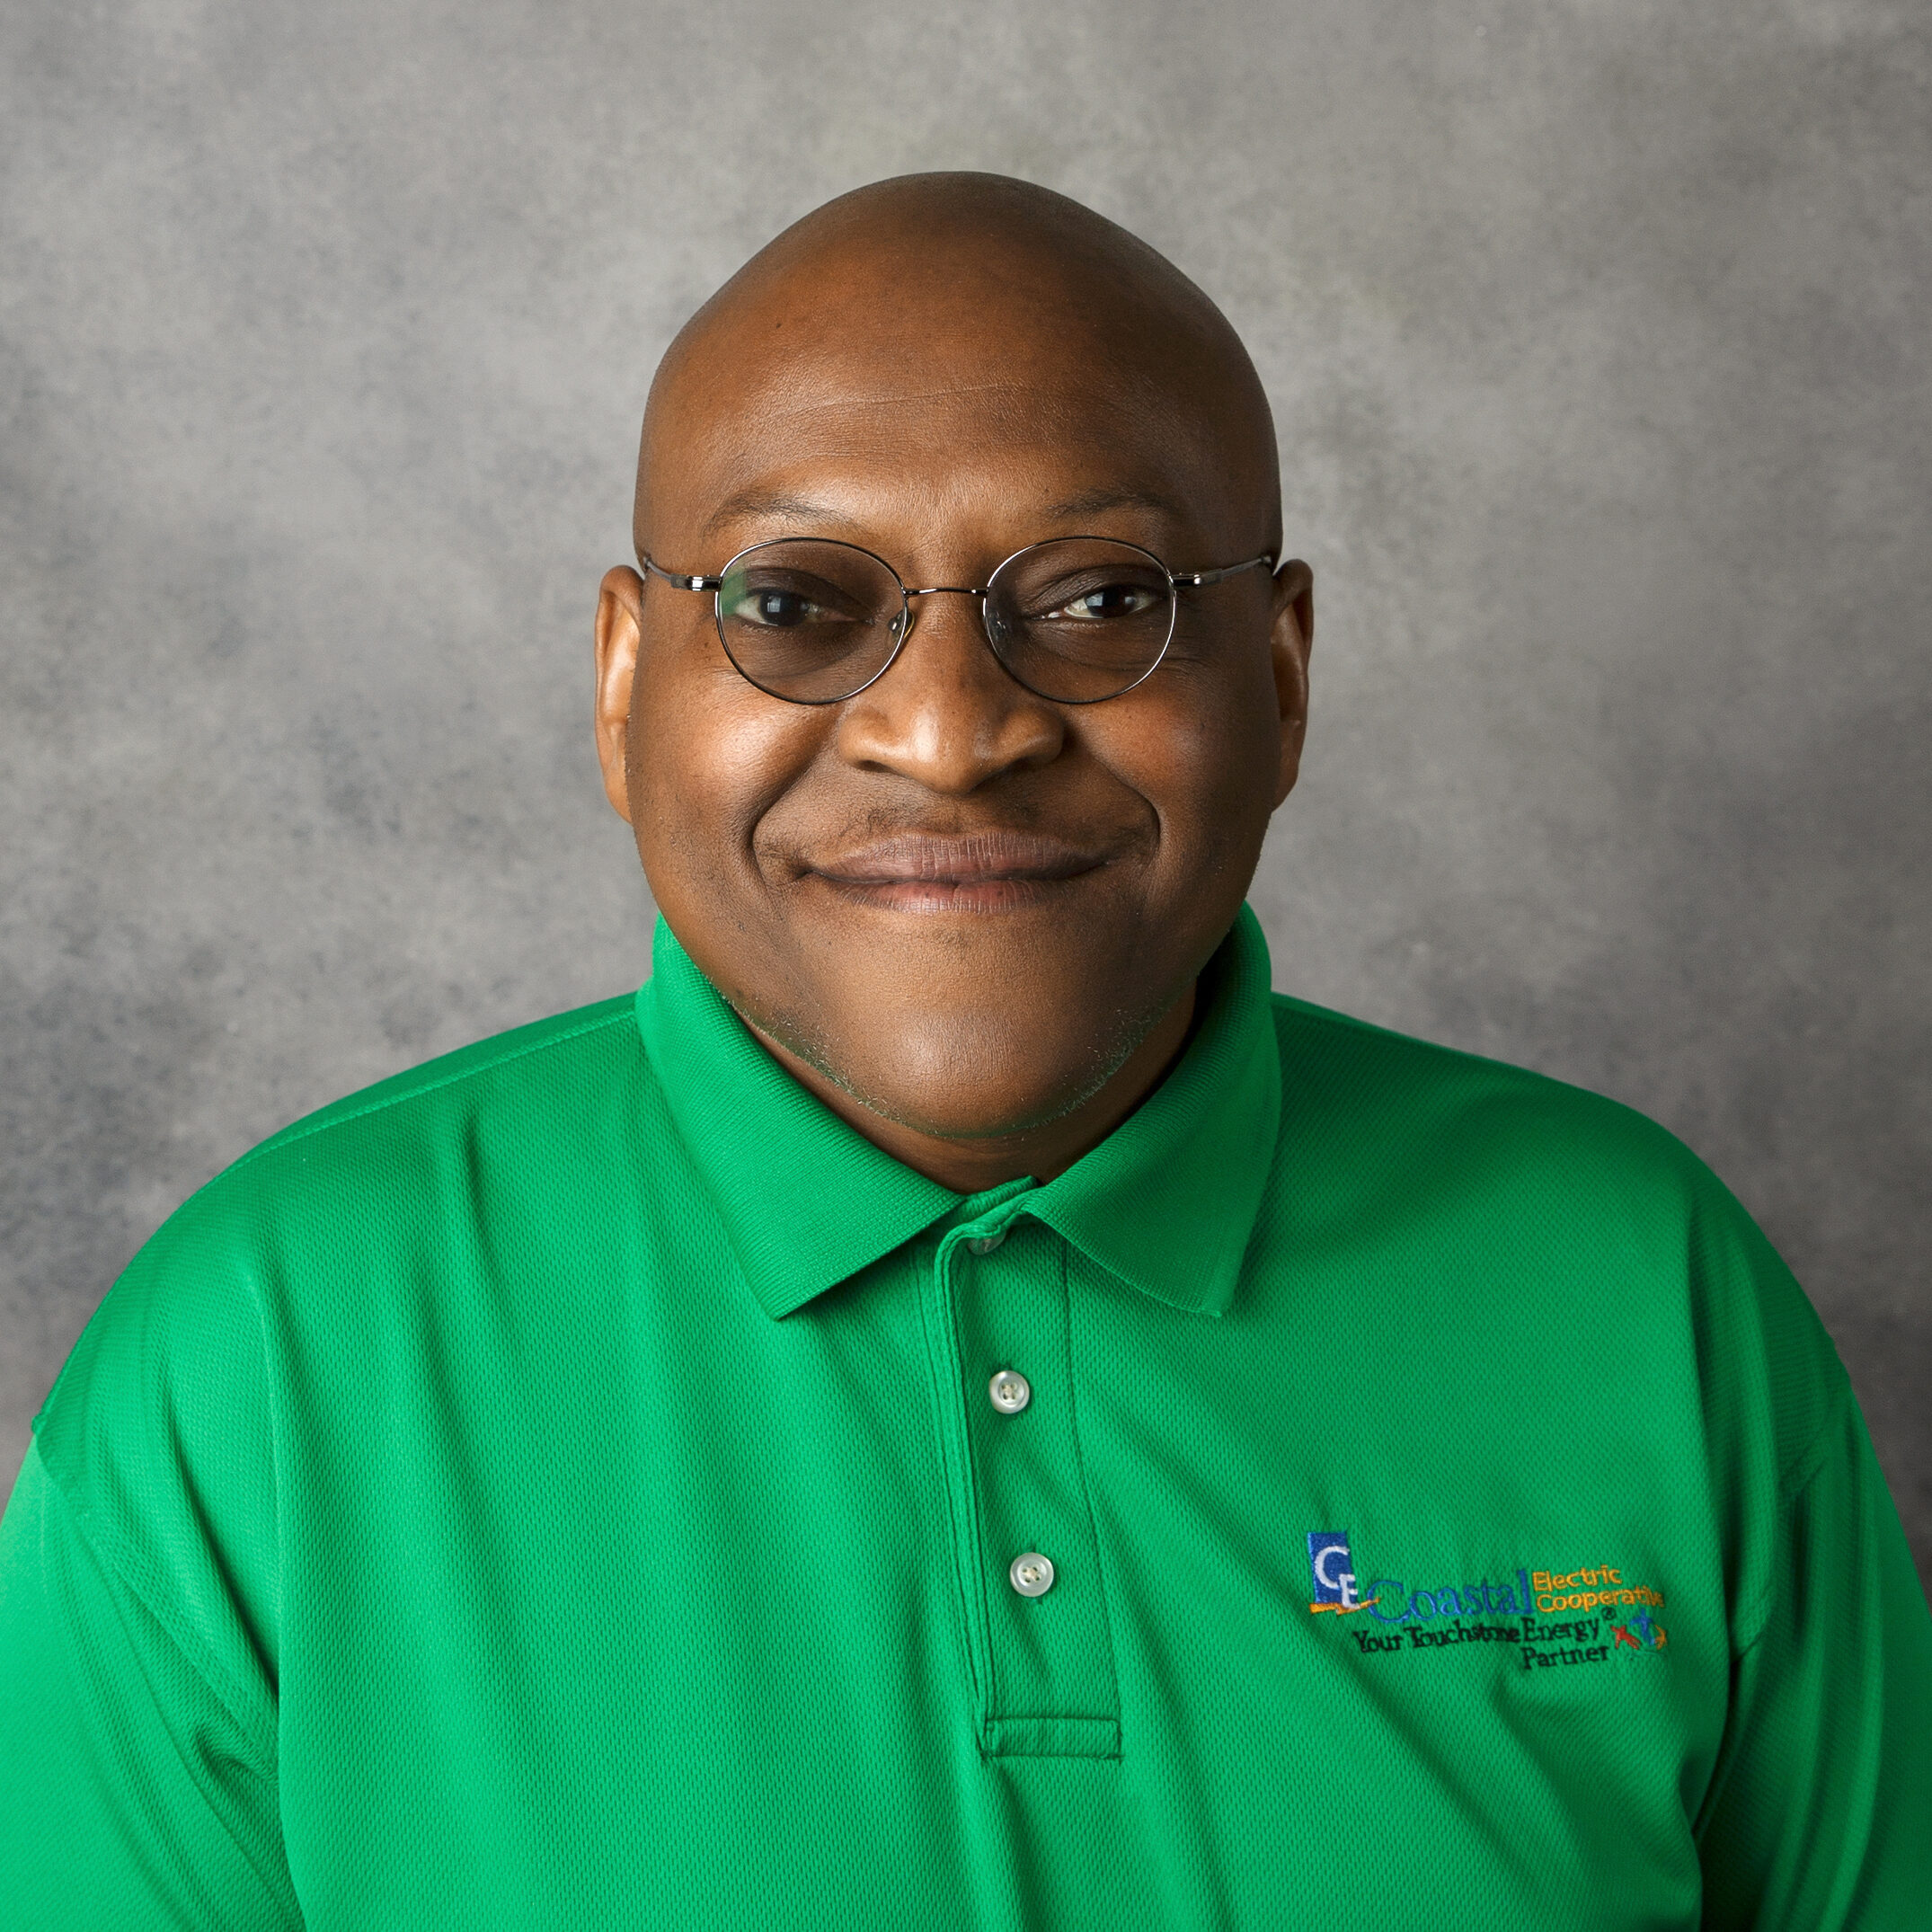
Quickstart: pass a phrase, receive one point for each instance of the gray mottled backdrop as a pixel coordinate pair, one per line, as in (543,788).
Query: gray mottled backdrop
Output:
(1598,335)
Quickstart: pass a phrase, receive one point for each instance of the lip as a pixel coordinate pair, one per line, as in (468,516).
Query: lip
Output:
(960,872)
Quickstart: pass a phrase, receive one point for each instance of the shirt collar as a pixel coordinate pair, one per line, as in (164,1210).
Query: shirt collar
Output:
(1164,1203)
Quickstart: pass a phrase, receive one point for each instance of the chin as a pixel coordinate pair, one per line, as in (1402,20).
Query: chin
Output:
(968,1076)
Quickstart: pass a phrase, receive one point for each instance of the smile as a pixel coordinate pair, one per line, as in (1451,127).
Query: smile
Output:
(960,872)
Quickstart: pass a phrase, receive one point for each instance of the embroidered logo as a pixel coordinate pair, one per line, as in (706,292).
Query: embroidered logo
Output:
(1644,1632)
(1525,1613)
(1334,1571)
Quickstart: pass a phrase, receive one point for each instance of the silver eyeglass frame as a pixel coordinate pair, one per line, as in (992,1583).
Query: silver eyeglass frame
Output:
(1177,581)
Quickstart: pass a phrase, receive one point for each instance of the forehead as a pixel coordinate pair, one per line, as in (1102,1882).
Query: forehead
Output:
(997,461)
(971,399)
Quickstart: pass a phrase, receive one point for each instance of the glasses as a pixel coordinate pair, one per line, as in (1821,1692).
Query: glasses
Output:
(1076,619)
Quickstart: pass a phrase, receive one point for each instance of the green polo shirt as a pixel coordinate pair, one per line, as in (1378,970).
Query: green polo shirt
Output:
(582,1483)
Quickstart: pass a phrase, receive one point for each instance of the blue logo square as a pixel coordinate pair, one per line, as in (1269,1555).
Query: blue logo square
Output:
(1332,1568)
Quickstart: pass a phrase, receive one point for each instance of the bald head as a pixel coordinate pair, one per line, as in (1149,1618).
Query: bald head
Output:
(965,285)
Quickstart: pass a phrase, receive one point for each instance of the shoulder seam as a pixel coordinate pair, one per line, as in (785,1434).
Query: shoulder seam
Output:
(1287,1006)
(1791,1486)
(304,1131)
(1509,1075)
(1805,1465)
(229,1698)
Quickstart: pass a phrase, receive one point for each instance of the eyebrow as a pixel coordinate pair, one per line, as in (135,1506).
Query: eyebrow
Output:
(788,509)
(1091,503)
(775,503)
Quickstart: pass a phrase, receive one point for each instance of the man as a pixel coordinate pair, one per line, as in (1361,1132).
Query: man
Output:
(956,1407)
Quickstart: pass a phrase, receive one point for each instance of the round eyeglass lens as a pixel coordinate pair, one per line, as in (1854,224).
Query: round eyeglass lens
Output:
(808,621)
(1080,618)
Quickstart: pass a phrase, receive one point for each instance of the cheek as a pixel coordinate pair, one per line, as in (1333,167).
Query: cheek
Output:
(708,758)
(1204,754)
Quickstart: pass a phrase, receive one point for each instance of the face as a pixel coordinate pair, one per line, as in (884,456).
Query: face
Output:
(963,906)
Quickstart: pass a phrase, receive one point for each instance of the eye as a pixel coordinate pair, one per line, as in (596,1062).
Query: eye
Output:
(774,594)
(775,610)
(1108,600)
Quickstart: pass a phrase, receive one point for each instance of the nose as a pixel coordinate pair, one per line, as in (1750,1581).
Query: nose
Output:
(946,714)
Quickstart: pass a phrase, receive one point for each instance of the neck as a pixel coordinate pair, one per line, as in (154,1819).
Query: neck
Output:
(969,1164)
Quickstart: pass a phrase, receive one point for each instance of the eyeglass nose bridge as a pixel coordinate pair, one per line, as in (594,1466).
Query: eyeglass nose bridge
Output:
(982,591)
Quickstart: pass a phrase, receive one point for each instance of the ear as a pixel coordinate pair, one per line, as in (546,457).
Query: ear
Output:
(1290,637)
(620,614)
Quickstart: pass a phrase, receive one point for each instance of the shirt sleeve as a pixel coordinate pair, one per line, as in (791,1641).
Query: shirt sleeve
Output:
(136,1796)
(1819,1814)
(139,1584)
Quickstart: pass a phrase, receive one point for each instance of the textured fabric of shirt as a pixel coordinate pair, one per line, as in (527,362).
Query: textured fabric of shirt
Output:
(561,1487)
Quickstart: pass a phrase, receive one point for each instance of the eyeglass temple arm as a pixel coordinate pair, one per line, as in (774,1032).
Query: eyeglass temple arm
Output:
(1199,579)
(677,577)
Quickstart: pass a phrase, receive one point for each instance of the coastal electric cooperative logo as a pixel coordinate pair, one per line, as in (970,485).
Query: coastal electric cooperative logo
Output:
(1553,1617)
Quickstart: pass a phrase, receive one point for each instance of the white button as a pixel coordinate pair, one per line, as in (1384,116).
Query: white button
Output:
(1032,1573)
(985,1244)
(1010,1391)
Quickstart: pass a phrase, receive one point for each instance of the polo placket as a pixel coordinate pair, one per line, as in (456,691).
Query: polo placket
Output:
(1025,1548)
